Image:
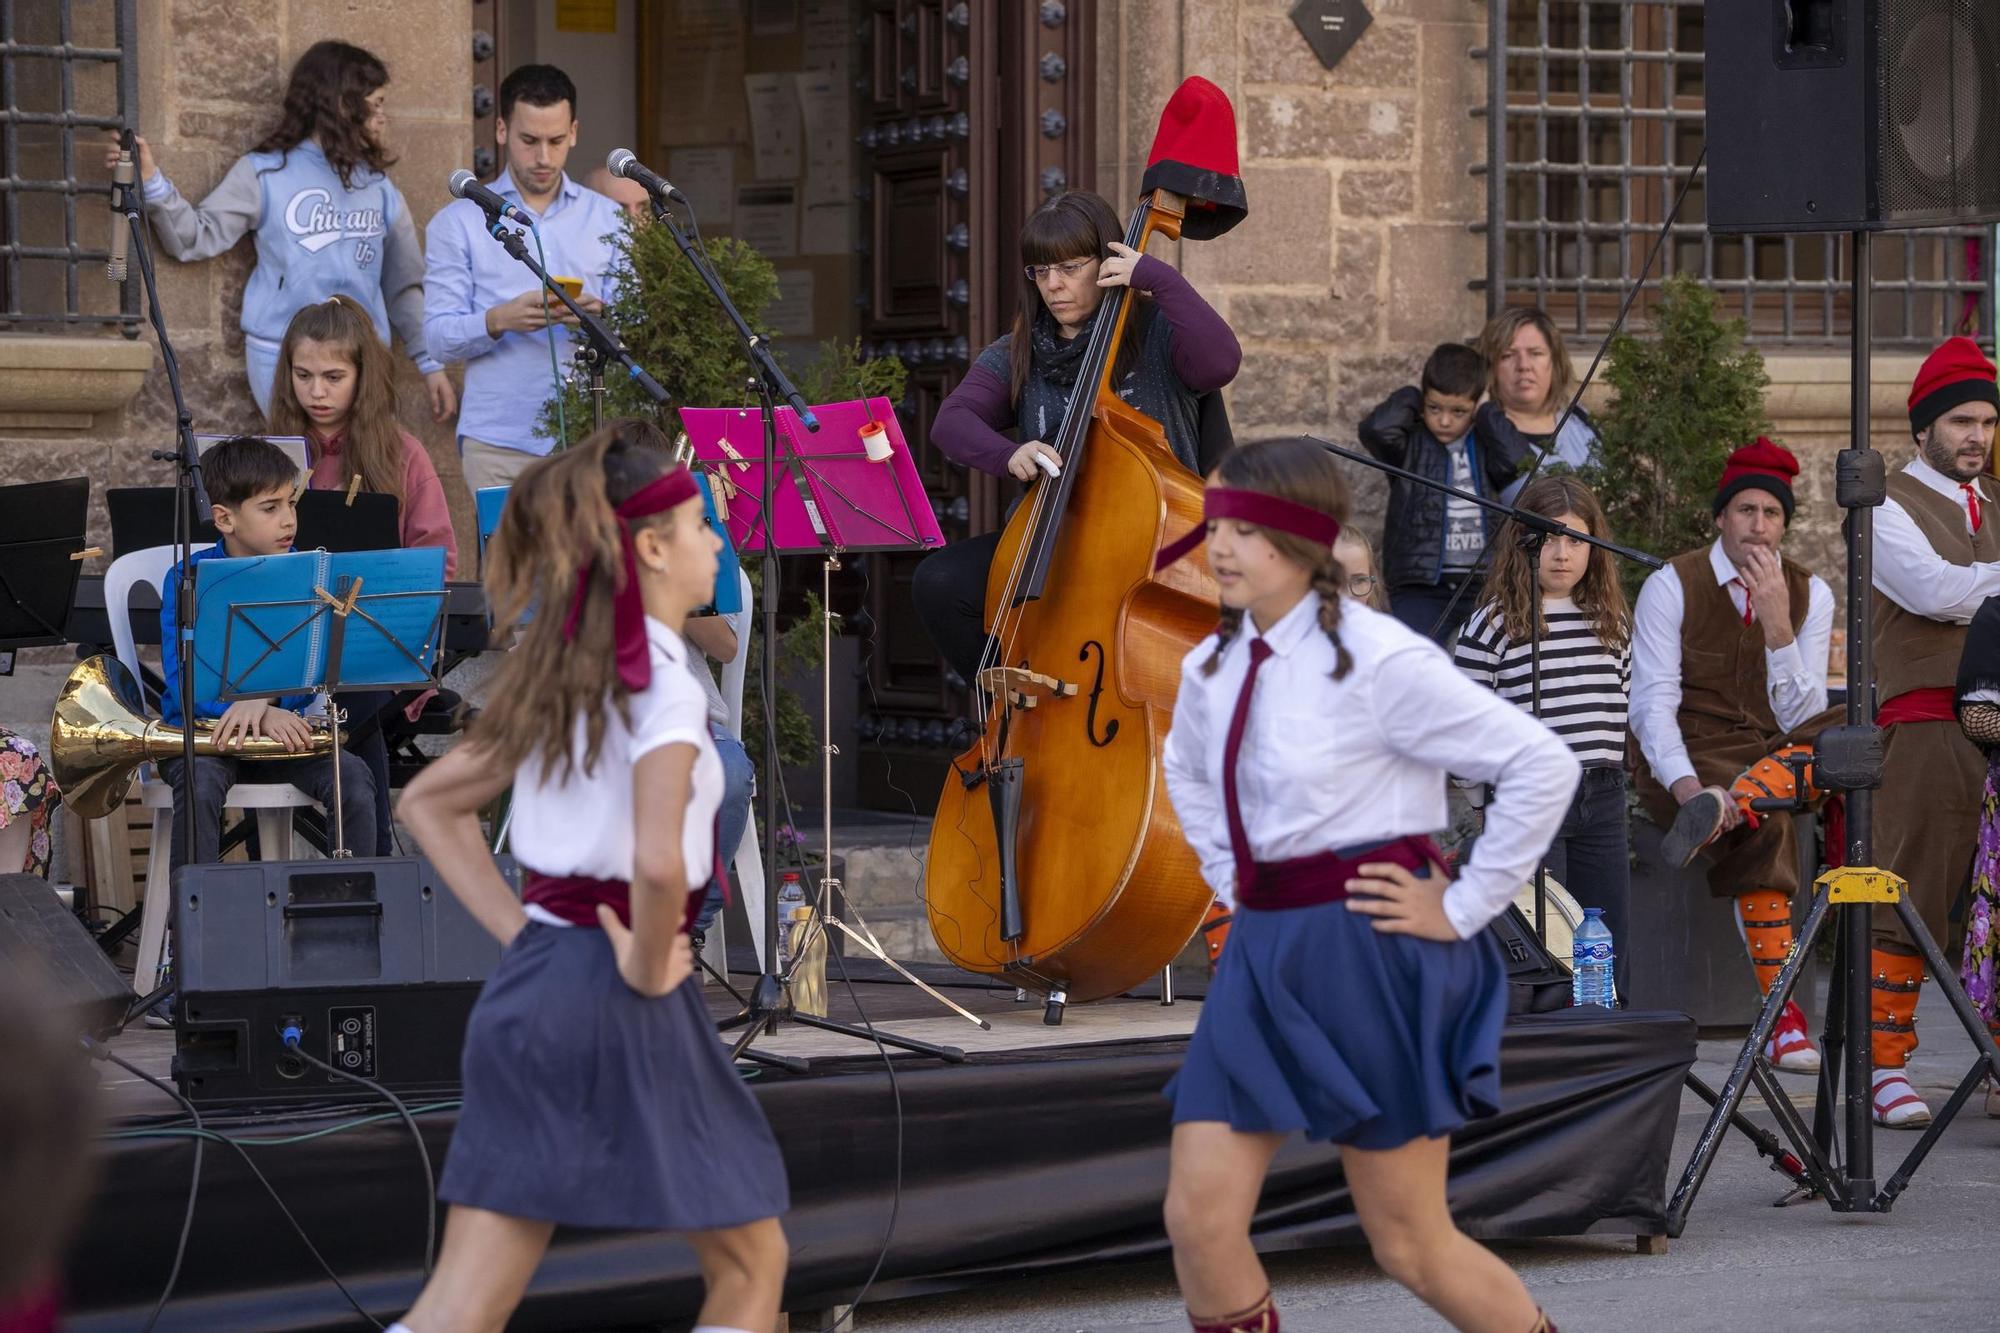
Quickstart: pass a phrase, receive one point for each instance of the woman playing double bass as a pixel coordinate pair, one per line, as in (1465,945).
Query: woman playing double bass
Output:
(1175,350)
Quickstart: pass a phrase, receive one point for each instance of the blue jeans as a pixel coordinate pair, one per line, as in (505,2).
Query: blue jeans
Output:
(1592,859)
(739,781)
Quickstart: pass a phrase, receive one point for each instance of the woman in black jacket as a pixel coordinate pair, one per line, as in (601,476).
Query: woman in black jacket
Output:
(1431,542)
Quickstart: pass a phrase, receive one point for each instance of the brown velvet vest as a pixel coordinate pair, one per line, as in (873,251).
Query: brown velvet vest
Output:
(1724,689)
(1914,652)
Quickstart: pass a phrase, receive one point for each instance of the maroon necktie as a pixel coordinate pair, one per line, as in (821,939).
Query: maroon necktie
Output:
(1239,721)
(1972,507)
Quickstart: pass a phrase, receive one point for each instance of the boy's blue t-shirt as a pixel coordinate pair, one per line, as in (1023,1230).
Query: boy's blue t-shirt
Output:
(170,663)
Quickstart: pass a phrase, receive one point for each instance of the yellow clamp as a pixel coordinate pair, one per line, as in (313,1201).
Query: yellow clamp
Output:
(1862,884)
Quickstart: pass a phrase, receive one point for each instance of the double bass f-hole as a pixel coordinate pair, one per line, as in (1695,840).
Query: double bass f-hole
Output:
(1096,689)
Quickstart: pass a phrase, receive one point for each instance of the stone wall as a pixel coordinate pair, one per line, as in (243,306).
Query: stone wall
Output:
(1356,257)
(212,74)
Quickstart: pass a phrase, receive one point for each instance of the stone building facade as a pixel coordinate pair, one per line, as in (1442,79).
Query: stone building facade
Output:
(1358,255)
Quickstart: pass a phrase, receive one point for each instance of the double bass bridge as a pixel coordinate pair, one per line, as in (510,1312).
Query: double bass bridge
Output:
(1023,688)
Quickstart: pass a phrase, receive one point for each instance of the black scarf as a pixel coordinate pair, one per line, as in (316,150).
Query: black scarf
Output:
(1058,359)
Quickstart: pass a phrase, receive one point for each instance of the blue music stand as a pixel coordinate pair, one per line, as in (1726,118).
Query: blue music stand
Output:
(317,622)
(489,501)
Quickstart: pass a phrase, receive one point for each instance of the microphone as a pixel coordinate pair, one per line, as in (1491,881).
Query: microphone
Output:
(122,177)
(464,185)
(621,162)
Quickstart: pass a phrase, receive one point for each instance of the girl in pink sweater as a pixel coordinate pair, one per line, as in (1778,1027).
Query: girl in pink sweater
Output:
(335,386)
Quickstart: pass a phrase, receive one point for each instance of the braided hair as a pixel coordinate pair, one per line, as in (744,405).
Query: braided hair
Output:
(1300,471)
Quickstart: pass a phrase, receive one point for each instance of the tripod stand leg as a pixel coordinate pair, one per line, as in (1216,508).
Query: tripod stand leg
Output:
(1763,1140)
(868,941)
(1733,1088)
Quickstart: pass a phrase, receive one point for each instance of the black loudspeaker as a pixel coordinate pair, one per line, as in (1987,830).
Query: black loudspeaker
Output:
(1536,983)
(43,942)
(1852,115)
(373,959)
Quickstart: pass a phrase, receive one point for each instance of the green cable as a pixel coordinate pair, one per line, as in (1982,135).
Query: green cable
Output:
(555,370)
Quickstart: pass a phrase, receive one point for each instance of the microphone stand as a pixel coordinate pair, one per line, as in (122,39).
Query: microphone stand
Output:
(605,346)
(189,495)
(770,1000)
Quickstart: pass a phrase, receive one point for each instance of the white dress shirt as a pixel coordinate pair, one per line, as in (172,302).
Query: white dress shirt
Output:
(1914,576)
(1794,675)
(1328,763)
(583,823)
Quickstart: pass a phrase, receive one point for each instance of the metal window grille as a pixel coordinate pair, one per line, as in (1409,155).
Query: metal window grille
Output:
(1594,114)
(68,75)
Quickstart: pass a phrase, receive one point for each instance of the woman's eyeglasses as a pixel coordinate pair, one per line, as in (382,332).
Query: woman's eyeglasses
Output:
(1037,272)
(1360,586)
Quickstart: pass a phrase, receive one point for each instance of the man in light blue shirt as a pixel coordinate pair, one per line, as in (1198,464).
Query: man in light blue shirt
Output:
(483,307)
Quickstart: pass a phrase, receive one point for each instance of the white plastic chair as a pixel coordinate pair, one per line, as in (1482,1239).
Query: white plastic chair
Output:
(273,802)
(749,864)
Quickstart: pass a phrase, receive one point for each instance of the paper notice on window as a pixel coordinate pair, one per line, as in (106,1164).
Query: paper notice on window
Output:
(829,35)
(600,16)
(707,176)
(828,229)
(791,314)
(774,125)
(829,147)
(767,220)
(773,18)
(701,67)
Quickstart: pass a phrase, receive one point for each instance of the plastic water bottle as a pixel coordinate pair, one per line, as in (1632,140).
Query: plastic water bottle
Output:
(1591,959)
(791,896)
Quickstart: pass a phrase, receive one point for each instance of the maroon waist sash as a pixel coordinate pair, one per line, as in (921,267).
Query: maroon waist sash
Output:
(575,898)
(1308,881)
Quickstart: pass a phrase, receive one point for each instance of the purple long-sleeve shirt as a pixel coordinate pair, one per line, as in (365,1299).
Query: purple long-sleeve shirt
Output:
(1204,351)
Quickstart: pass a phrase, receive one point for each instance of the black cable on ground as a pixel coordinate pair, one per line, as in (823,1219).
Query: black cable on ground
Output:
(99,1052)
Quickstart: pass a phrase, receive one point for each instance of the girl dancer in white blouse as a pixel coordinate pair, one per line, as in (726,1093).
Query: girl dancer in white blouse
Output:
(1357,1000)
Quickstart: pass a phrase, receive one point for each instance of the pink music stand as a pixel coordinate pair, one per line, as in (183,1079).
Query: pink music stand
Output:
(861,505)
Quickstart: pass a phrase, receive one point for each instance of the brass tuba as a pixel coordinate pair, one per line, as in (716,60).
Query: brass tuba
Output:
(100,736)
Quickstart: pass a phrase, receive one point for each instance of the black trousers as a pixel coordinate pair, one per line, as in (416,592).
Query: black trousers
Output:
(950,594)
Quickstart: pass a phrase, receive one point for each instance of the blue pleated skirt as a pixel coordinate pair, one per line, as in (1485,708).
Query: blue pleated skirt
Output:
(1317,1022)
(589,1105)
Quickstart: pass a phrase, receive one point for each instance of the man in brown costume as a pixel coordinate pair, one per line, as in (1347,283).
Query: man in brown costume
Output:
(1729,654)
(1937,557)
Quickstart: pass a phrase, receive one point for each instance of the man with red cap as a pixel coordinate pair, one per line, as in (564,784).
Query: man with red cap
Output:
(1729,656)
(1937,557)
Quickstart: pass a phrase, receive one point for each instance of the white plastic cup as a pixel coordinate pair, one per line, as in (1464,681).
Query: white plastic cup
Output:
(875,439)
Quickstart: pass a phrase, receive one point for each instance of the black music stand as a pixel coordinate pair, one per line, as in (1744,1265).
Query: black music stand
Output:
(41,556)
(331,520)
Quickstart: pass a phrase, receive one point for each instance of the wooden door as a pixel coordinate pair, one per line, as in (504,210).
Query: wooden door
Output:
(970,113)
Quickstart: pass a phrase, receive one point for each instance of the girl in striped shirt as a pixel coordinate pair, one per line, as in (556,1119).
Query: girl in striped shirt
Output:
(1586,668)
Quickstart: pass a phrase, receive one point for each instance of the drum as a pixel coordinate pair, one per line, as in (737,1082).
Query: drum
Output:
(1563,916)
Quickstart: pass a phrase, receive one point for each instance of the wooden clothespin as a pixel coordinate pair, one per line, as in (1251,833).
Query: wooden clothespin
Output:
(298,487)
(353,488)
(344,605)
(87,553)
(742,463)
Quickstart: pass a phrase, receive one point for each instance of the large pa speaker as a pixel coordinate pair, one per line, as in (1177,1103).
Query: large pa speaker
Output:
(373,959)
(1852,115)
(43,943)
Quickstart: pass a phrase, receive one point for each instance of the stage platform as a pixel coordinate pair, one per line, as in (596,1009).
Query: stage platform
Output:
(1046,1149)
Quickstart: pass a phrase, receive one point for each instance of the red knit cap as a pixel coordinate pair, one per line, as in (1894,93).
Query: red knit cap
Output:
(1759,465)
(1957,372)
(1194,154)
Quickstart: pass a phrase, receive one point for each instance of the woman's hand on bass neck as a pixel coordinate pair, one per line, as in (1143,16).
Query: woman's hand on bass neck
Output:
(1117,270)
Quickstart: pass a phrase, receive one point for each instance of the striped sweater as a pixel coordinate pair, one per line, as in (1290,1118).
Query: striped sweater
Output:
(1584,686)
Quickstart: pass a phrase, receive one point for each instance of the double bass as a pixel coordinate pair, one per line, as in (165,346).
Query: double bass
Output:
(1055,858)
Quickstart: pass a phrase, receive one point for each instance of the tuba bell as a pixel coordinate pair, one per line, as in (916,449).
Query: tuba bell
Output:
(100,736)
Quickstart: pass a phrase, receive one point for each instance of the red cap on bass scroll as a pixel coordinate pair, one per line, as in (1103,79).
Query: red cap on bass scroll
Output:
(1194,155)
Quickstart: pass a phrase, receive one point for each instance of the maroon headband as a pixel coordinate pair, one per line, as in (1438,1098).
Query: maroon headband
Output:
(1266,511)
(628,609)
